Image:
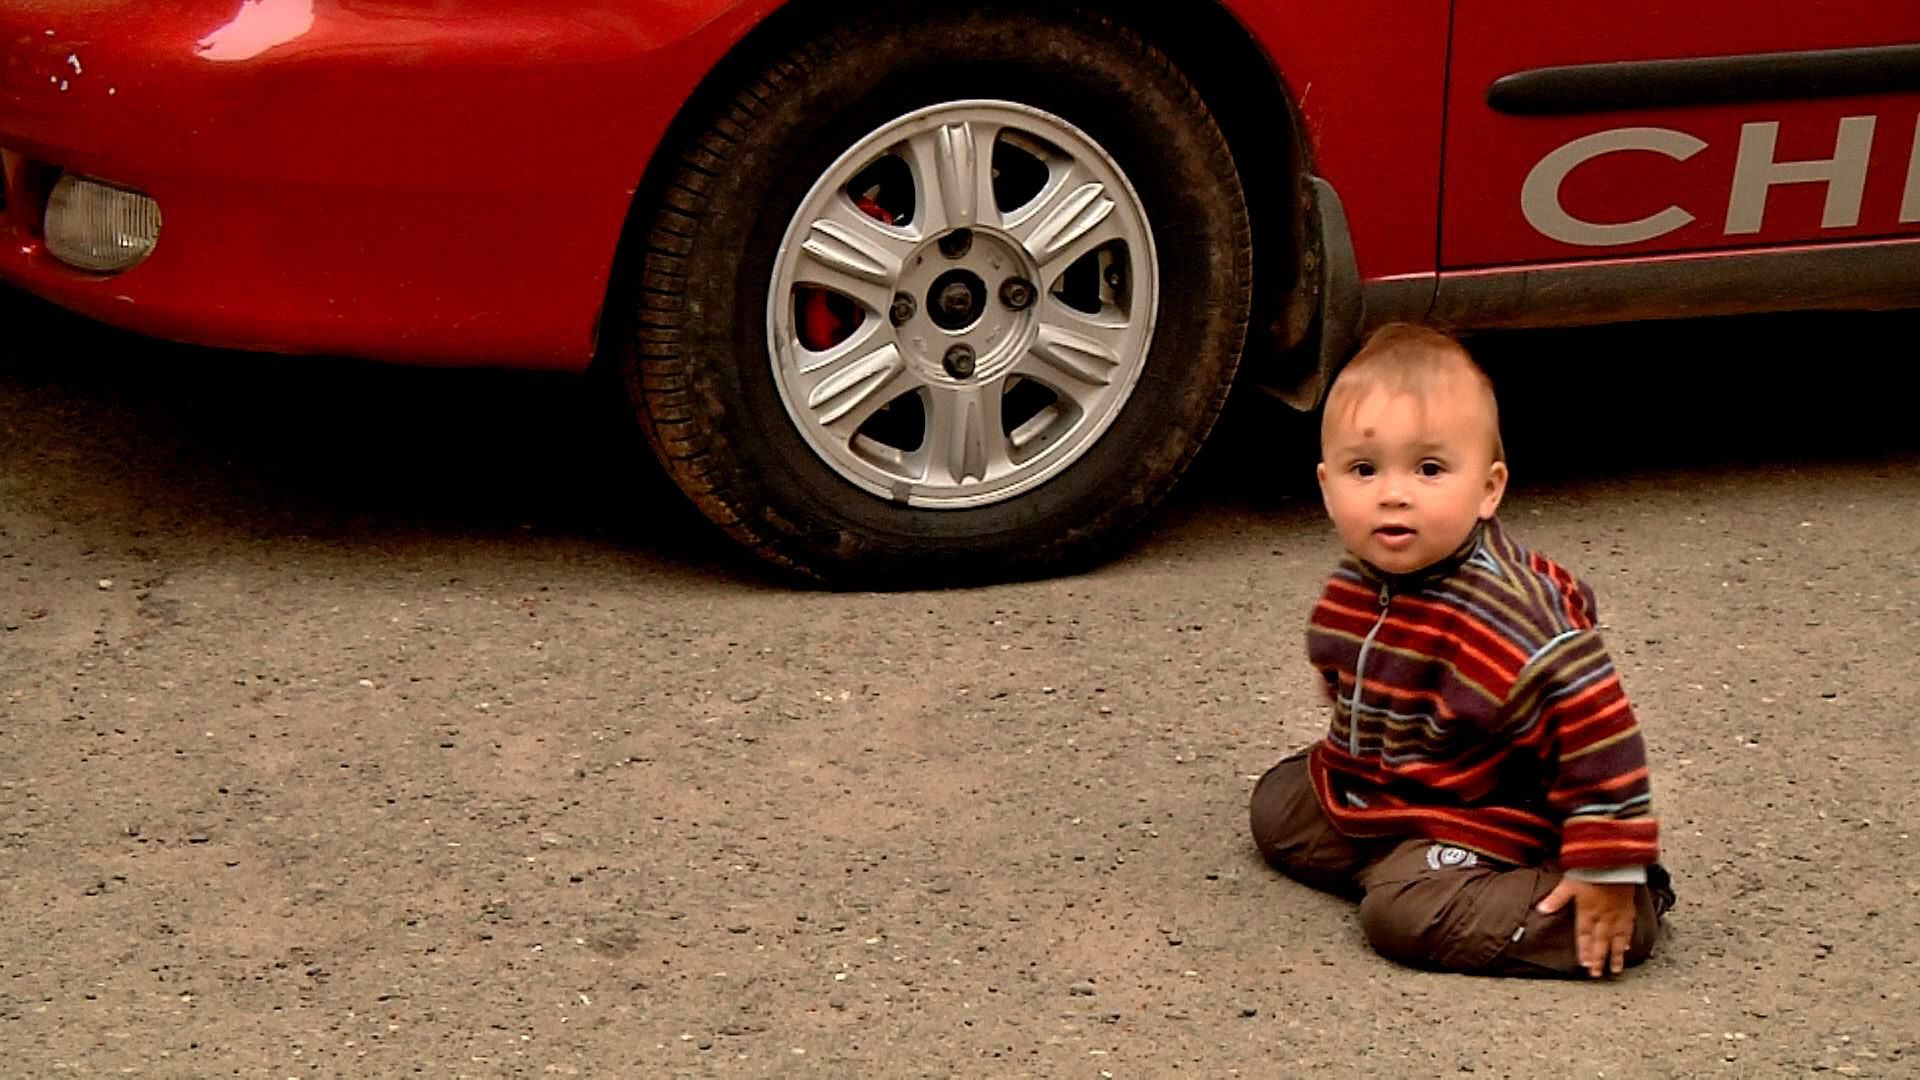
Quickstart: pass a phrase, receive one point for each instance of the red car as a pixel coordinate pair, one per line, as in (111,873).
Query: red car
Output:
(905,292)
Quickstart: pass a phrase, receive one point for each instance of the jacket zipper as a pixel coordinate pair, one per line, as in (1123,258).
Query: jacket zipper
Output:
(1360,672)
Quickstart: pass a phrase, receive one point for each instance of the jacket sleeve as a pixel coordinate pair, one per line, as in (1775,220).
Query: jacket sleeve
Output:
(1580,725)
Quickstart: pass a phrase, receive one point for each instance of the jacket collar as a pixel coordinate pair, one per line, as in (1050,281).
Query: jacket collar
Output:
(1483,530)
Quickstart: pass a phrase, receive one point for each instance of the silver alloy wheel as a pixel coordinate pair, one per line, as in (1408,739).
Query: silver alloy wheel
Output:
(903,346)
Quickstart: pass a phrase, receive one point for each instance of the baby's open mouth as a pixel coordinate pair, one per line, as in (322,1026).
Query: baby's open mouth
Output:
(1394,537)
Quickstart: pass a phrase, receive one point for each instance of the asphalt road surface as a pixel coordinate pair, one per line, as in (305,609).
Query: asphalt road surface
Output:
(368,721)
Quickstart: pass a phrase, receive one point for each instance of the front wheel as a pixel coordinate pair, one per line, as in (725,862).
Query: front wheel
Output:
(950,298)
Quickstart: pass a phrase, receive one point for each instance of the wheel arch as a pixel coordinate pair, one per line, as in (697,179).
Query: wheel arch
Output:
(1243,88)
(1240,86)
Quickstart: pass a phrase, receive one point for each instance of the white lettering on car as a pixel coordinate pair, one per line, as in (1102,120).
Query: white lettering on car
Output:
(1756,172)
(1910,204)
(1540,195)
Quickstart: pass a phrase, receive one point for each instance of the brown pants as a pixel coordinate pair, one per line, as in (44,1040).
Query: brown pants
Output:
(1425,904)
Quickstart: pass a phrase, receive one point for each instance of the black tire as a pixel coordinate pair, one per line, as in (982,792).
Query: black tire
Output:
(698,373)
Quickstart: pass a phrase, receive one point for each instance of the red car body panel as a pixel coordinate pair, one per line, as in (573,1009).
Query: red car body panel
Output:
(1489,155)
(419,182)
(447,182)
(1373,104)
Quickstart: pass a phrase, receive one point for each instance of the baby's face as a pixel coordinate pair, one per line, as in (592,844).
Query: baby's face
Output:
(1405,477)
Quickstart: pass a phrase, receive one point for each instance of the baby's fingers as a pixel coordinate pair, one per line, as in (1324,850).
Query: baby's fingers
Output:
(1592,947)
(1622,936)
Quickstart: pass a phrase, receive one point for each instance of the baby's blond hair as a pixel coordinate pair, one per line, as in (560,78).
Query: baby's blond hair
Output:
(1406,358)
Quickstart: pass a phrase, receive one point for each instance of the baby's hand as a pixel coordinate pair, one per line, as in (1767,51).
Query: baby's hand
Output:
(1602,921)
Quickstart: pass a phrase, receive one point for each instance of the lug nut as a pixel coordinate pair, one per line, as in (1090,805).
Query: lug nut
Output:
(903,308)
(1116,280)
(957,243)
(959,362)
(1016,293)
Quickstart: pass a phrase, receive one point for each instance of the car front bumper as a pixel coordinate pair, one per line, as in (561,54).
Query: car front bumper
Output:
(398,185)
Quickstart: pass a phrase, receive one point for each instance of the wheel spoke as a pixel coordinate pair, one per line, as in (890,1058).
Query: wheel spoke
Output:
(1072,216)
(1071,249)
(849,388)
(821,365)
(965,440)
(850,253)
(953,175)
(1074,353)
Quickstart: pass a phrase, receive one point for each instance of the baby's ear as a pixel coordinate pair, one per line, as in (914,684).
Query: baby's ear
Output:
(1495,491)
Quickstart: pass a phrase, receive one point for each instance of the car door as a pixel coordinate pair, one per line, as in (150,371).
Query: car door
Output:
(1581,131)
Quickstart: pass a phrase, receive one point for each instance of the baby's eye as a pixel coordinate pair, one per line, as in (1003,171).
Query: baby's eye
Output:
(1361,469)
(1431,469)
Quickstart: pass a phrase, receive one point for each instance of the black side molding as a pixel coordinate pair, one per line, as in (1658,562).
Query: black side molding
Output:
(1877,275)
(1706,80)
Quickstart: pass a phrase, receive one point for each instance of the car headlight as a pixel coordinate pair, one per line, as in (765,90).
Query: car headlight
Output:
(98,227)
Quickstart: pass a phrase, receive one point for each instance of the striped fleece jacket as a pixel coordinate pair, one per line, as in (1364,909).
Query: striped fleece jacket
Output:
(1474,704)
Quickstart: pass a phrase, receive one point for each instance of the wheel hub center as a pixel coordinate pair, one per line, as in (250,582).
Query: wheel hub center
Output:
(955,299)
(957,295)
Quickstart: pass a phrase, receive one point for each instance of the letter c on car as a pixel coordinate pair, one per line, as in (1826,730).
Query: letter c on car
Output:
(1540,195)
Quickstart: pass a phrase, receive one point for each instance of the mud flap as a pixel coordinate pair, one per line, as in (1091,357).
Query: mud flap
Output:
(1334,282)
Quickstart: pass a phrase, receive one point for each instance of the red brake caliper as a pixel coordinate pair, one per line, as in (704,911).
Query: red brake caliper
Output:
(826,320)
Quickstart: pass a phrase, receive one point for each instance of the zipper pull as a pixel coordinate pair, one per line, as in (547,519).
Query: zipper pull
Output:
(1386,594)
